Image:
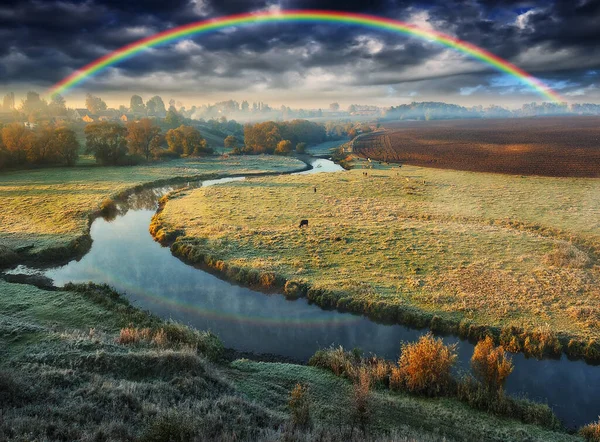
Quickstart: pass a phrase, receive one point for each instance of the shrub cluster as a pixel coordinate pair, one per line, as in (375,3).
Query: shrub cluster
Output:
(539,343)
(591,432)
(425,368)
(299,404)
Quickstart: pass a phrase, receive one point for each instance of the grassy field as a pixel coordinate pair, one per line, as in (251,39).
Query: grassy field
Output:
(548,146)
(67,374)
(482,249)
(49,208)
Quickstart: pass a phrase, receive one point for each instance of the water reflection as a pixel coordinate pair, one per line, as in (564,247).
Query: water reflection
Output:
(125,256)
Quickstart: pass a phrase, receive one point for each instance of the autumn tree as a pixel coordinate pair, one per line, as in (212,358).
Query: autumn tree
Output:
(186,140)
(41,149)
(107,142)
(425,366)
(136,104)
(94,104)
(143,137)
(17,140)
(491,365)
(65,146)
(284,147)
(299,405)
(230,142)
(261,137)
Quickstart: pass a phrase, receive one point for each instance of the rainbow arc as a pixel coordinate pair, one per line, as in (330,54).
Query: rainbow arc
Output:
(303,16)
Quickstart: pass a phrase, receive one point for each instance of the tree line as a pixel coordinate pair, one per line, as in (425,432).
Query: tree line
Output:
(281,138)
(48,145)
(115,144)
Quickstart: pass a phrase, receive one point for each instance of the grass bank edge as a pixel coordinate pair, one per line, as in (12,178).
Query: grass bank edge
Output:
(79,246)
(542,343)
(178,337)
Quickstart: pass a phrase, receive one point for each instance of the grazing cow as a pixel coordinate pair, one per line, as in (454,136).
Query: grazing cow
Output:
(303,222)
(315,188)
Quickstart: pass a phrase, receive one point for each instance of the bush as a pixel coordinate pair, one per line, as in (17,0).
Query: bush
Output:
(165,154)
(472,392)
(170,427)
(299,405)
(131,335)
(361,409)
(337,360)
(591,432)
(424,366)
(490,364)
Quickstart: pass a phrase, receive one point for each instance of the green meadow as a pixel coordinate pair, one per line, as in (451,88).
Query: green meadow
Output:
(46,212)
(471,248)
(71,368)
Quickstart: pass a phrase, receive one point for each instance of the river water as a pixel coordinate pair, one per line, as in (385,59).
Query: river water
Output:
(125,256)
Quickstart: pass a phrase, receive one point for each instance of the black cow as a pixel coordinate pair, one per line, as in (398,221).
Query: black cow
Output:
(303,222)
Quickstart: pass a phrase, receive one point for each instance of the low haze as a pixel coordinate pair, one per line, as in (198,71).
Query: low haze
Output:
(304,65)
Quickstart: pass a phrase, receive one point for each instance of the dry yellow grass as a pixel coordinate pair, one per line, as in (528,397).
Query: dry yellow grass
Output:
(49,208)
(493,249)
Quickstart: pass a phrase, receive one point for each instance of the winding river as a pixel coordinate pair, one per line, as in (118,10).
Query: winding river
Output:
(125,256)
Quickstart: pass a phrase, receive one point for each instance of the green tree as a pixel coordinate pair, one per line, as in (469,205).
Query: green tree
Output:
(230,142)
(173,119)
(66,146)
(301,148)
(155,106)
(34,107)
(57,105)
(94,104)
(143,137)
(136,104)
(284,147)
(41,151)
(186,140)
(8,103)
(107,142)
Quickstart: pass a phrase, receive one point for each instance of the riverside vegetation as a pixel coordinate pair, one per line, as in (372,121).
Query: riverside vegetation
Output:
(466,253)
(80,363)
(45,214)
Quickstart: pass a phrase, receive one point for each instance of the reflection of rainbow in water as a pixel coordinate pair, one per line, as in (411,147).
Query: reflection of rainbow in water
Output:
(316,321)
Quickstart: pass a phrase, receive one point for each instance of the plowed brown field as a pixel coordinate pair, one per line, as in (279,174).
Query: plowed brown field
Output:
(550,146)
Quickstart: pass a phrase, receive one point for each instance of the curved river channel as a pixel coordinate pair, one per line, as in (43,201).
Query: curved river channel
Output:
(125,256)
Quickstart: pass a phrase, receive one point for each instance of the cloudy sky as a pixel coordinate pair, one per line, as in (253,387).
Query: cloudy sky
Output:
(302,65)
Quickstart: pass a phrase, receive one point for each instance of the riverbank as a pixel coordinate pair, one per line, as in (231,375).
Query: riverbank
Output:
(462,259)
(83,353)
(46,214)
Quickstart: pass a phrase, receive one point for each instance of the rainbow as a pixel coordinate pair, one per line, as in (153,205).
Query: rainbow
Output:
(302,16)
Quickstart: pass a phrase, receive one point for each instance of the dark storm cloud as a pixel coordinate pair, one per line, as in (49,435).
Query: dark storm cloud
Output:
(43,41)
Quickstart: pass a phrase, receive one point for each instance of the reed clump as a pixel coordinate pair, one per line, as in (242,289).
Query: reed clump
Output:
(591,432)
